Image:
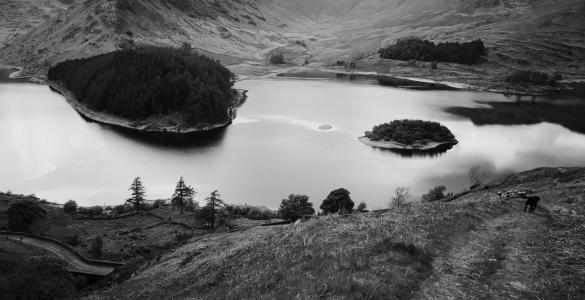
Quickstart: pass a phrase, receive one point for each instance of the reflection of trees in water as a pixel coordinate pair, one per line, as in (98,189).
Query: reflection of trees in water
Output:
(436,152)
(528,112)
(168,140)
(171,140)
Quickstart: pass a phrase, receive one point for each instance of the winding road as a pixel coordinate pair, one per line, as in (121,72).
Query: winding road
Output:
(74,263)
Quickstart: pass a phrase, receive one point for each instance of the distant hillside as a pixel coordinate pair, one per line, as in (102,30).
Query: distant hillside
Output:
(519,34)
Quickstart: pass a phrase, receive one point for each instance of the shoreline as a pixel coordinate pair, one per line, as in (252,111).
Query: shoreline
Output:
(417,146)
(269,71)
(141,126)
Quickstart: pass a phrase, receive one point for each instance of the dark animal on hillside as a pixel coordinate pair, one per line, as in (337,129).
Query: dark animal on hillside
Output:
(531,201)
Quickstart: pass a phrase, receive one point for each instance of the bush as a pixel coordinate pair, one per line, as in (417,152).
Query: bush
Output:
(361,207)
(435,194)
(423,50)
(277,59)
(409,131)
(400,197)
(121,209)
(91,211)
(22,214)
(70,206)
(337,201)
(295,207)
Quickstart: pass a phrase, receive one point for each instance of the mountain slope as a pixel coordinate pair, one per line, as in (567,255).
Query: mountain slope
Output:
(543,34)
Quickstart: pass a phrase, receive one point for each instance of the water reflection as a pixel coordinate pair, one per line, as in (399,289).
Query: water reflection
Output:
(569,115)
(406,153)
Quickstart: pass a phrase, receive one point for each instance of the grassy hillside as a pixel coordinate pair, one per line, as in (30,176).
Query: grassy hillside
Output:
(475,246)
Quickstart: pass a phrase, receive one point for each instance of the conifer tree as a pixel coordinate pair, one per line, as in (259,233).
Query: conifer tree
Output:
(183,195)
(137,199)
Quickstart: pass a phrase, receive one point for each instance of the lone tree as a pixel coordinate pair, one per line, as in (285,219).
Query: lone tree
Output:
(400,197)
(137,199)
(337,201)
(21,215)
(211,209)
(183,195)
(70,206)
(476,176)
(295,207)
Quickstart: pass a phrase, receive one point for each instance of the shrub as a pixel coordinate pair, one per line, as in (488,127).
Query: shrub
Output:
(361,207)
(295,207)
(121,209)
(435,194)
(22,214)
(91,211)
(476,176)
(337,201)
(400,197)
(70,206)
(277,59)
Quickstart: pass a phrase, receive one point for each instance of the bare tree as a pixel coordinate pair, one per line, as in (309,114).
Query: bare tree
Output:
(401,195)
(476,175)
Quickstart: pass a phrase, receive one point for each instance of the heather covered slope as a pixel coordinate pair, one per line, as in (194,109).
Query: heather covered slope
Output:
(475,246)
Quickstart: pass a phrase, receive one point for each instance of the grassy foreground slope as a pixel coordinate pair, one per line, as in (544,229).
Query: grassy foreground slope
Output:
(475,246)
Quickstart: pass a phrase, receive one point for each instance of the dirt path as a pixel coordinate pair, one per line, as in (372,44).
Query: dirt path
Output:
(491,262)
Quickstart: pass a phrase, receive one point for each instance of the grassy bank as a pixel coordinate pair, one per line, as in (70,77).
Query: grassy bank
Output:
(465,248)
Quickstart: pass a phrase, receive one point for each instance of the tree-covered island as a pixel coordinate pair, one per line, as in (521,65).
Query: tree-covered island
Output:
(150,89)
(409,135)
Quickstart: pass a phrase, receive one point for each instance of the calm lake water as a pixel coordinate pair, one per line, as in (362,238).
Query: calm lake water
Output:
(274,148)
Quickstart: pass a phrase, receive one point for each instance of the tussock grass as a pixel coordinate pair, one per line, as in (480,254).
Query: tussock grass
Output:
(366,256)
(393,254)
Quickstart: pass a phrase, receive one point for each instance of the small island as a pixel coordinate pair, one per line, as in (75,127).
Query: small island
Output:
(409,135)
(150,89)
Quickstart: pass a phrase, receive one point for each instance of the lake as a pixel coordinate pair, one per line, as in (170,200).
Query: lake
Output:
(274,147)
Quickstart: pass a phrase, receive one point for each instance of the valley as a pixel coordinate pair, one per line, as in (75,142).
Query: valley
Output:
(324,149)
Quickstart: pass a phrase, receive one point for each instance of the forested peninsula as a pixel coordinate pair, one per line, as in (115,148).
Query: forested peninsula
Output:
(152,89)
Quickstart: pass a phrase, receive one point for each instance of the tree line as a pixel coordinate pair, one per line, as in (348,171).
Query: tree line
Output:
(142,82)
(418,49)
